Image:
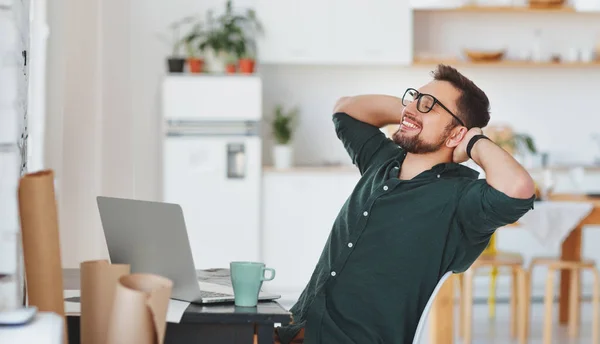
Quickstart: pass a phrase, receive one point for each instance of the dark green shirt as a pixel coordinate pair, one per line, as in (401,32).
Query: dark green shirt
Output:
(392,241)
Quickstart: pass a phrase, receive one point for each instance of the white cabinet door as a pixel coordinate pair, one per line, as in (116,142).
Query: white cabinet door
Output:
(372,32)
(295,31)
(298,213)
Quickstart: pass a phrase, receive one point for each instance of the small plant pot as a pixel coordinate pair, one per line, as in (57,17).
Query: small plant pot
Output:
(176,64)
(282,156)
(195,65)
(247,66)
(230,68)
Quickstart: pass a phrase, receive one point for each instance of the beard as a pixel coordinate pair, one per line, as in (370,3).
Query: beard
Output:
(416,145)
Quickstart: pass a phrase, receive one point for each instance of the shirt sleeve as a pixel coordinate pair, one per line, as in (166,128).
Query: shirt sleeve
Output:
(482,209)
(366,144)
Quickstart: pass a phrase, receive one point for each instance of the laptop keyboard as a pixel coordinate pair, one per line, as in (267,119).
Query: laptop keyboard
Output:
(208,294)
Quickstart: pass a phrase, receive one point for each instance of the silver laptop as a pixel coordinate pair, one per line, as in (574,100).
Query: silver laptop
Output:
(152,238)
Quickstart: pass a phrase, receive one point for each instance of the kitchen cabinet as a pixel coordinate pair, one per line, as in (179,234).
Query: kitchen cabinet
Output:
(372,32)
(295,31)
(298,212)
(350,32)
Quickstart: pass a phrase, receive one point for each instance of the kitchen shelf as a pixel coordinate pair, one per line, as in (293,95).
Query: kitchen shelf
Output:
(508,63)
(504,9)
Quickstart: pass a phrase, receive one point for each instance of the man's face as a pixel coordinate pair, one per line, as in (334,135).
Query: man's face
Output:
(421,133)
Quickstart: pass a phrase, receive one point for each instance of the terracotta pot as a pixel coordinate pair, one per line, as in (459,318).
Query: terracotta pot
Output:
(230,68)
(196,65)
(247,66)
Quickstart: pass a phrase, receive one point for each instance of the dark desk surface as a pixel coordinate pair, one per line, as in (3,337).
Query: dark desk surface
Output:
(265,313)
(214,323)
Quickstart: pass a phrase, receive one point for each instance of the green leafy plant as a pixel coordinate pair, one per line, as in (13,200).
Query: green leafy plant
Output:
(519,143)
(174,39)
(283,123)
(231,33)
(190,40)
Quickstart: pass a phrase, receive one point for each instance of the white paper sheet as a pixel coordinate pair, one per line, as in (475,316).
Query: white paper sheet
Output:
(174,313)
(176,310)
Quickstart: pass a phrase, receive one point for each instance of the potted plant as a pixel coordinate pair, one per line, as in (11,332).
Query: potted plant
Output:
(246,48)
(282,128)
(229,37)
(216,44)
(175,61)
(195,58)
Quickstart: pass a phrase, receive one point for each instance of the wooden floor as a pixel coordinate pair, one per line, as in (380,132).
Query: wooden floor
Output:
(497,331)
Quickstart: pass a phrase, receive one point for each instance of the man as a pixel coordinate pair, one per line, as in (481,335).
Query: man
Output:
(415,214)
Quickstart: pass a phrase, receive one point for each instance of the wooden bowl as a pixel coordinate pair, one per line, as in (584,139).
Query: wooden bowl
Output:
(484,56)
(546,3)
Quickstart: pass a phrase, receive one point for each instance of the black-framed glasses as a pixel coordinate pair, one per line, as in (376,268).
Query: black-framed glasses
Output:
(425,102)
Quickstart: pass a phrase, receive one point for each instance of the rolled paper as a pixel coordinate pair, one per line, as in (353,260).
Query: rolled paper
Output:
(41,246)
(98,284)
(139,312)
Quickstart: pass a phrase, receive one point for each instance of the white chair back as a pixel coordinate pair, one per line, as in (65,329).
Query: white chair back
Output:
(423,319)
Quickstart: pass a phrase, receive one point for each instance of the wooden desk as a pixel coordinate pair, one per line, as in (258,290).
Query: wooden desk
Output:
(442,312)
(215,324)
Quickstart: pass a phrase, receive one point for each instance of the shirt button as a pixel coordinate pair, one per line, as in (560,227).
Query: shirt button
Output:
(366,213)
(350,244)
(438,176)
(385,187)
(333,273)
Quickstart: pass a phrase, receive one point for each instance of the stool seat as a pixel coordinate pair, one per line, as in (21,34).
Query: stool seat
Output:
(499,259)
(560,264)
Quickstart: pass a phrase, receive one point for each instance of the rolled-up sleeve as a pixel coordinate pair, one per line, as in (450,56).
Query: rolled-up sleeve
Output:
(366,144)
(482,209)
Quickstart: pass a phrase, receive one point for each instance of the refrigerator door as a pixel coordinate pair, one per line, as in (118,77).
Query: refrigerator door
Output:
(216,180)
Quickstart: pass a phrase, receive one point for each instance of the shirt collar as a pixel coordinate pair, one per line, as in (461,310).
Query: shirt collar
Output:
(448,169)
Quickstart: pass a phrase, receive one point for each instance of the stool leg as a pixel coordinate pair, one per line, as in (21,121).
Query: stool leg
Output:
(514,300)
(548,305)
(461,306)
(492,296)
(574,304)
(522,304)
(527,315)
(468,306)
(596,308)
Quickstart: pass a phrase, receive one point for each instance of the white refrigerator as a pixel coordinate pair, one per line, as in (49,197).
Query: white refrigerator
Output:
(212,163)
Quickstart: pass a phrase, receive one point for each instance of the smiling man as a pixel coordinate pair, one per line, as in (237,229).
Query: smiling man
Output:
(415,214)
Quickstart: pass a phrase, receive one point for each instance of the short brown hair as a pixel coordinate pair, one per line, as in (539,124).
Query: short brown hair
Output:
(473,105)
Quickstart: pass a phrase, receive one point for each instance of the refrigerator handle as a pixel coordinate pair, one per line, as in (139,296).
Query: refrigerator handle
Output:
(236,161)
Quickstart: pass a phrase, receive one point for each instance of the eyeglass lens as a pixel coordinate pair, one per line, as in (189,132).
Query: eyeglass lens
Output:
(424,104)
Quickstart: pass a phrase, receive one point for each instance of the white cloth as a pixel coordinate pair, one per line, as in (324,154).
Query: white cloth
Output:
(44,328)
(551,222)
(174,312)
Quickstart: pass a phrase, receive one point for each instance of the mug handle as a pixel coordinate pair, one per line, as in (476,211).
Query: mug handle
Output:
(272,274)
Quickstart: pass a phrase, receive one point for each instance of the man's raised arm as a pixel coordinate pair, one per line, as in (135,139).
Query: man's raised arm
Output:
(375,109)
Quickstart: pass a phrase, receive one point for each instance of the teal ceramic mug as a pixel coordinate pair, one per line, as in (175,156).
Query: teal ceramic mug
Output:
(247,279)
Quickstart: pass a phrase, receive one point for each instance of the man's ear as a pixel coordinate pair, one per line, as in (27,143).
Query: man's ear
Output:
(458,134)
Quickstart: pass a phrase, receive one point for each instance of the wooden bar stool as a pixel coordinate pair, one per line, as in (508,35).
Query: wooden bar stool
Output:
(518,300)
(554,265)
